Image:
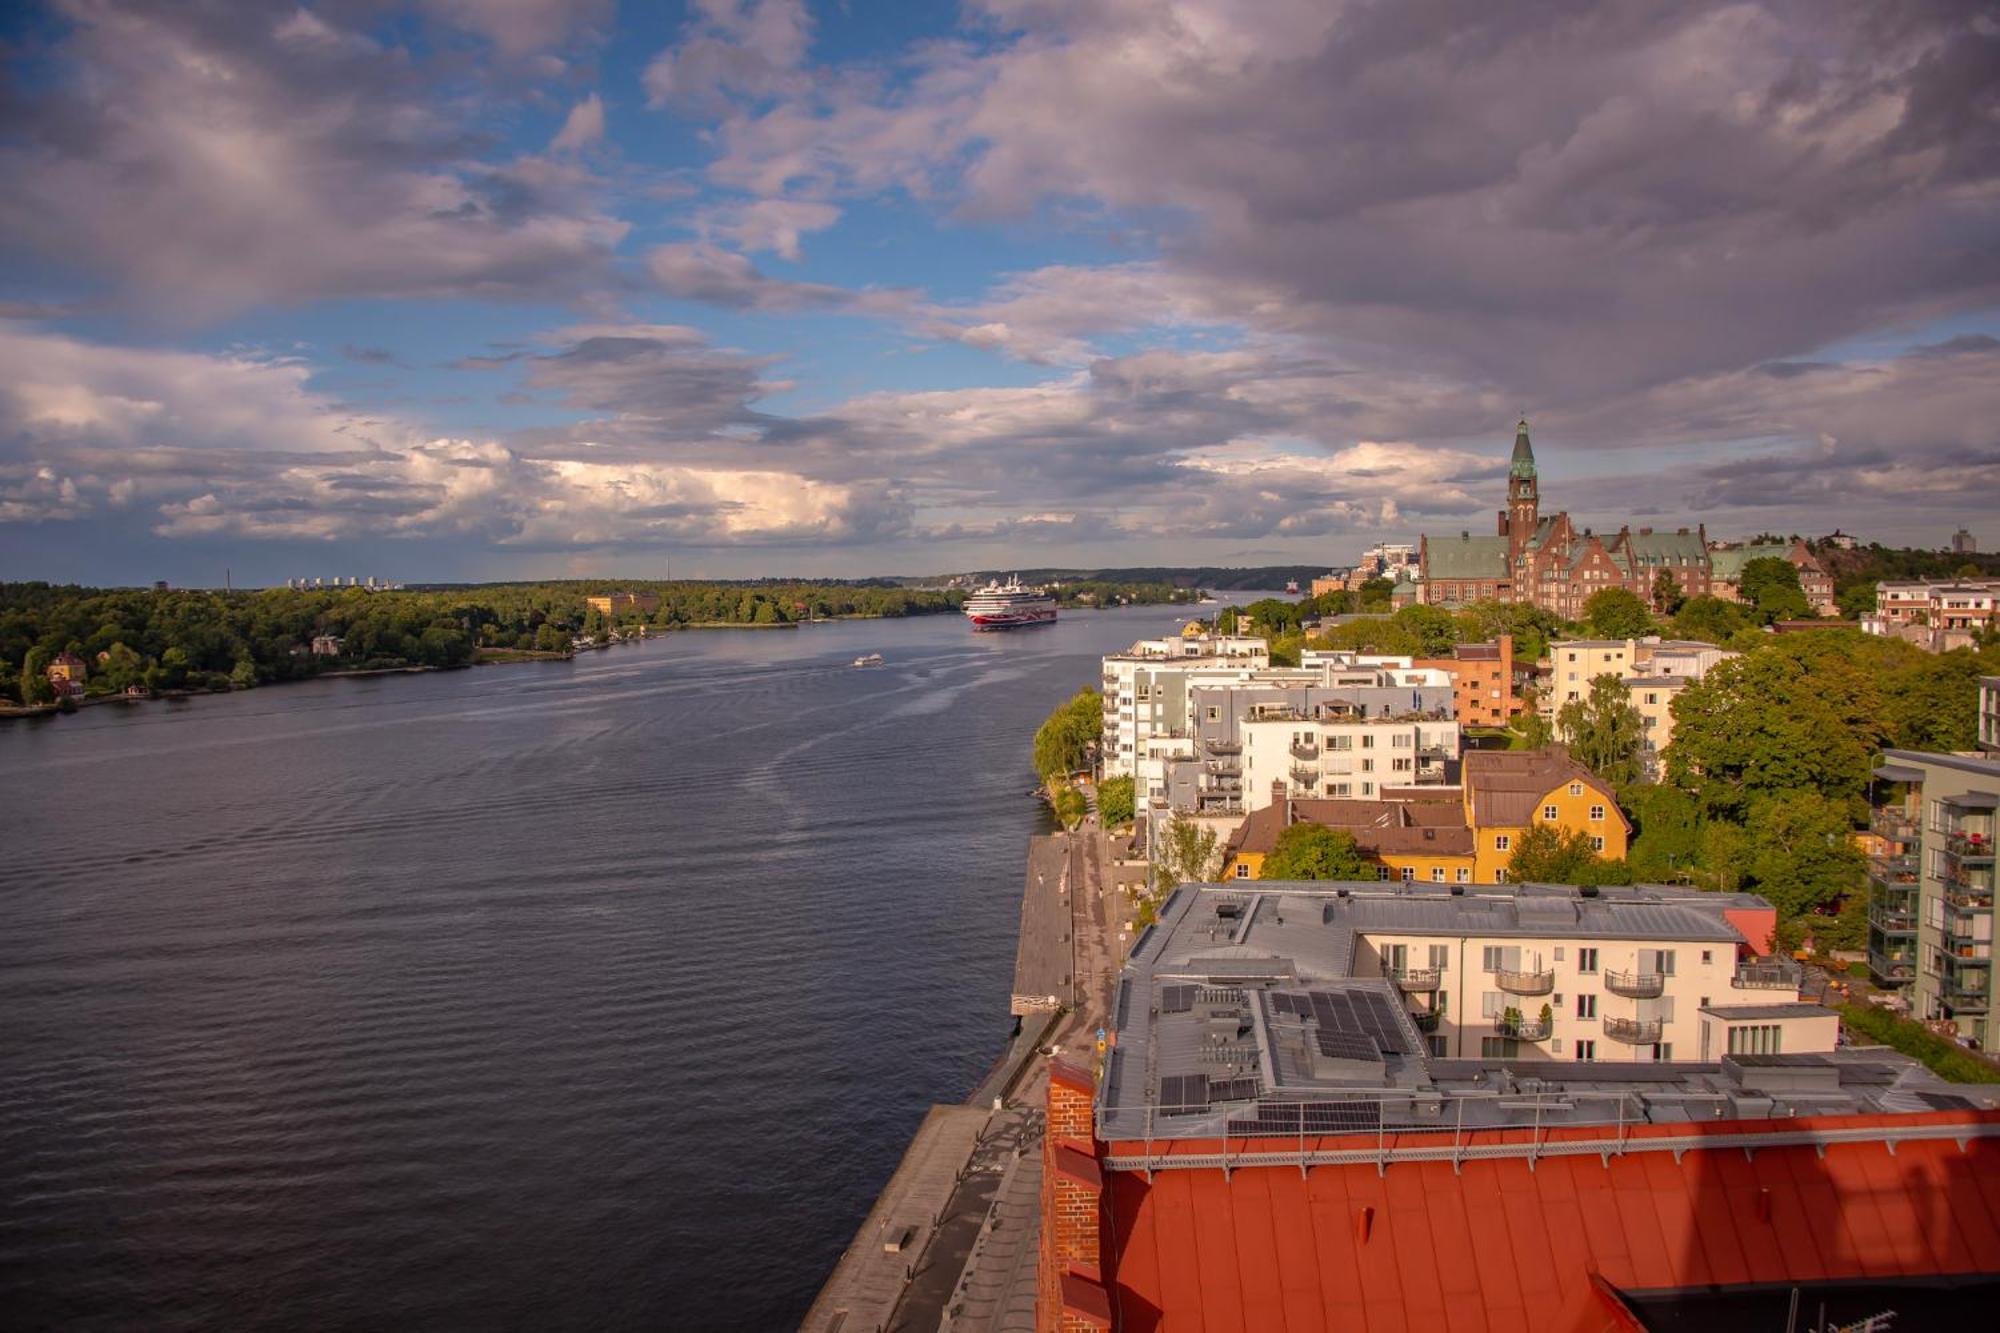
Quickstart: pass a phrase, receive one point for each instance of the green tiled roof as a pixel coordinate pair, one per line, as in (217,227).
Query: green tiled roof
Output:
(1728,565)
(1466,558)
(1679,549)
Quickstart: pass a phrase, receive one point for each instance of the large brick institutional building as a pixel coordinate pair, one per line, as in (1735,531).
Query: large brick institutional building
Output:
(1554,565)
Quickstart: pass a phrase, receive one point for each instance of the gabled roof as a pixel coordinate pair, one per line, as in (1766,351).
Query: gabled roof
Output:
(1436,827)
(1668,548)
(1465,557)
(1507,785)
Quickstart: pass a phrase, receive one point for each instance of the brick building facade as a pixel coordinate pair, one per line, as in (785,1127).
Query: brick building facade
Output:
(1549,562)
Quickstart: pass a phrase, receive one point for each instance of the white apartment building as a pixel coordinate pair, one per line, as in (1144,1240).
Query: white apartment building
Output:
(1344,758)
(1989,714)
(1626,975)
(1142,684)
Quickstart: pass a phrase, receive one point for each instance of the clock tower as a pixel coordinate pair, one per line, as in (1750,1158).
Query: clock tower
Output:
(1524,499)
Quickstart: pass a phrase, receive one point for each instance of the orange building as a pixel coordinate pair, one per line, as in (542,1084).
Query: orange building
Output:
(1483,680)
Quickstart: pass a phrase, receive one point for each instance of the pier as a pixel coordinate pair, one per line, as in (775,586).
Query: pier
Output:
(952,1241)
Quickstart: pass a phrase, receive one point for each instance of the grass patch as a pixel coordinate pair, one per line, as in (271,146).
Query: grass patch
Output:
(1945,1059)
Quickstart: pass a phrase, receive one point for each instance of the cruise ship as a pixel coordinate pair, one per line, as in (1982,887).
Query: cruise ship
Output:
(1009,606)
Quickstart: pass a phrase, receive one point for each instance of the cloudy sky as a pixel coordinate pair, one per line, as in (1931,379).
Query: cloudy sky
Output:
(461,289)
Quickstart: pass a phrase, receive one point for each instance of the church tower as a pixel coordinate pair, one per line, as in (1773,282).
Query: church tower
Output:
(1524,499)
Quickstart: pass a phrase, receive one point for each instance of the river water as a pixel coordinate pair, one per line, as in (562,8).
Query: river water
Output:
(574,995)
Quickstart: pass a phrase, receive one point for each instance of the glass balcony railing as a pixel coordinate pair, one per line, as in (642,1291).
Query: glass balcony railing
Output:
(1893,822)
(1892,921)
(1525,983)
(1766,976)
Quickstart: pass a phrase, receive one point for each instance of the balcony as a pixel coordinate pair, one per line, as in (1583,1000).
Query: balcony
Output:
(1524,1029)
(1225,747)
(1892,921)
(1893,823)
(1436,751)
(1894,967)
(1634,1031)
(1636,985)
(1525,983)
(1969,848)
(1304,777)
(1425,1020)
(1306,750)
(1417,978)
(1900,868)
(1766,976)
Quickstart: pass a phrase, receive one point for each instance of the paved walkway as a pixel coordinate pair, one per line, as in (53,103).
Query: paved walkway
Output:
(971,1181)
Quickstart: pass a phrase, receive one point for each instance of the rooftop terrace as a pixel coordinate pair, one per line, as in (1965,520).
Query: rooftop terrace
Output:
(1239,1017)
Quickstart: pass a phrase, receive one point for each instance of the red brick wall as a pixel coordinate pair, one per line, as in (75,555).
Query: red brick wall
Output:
(1073,1298)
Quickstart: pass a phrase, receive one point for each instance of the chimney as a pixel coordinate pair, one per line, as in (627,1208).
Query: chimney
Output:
(1072,1294)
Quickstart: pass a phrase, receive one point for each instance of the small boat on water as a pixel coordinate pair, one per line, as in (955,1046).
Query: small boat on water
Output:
(871,659)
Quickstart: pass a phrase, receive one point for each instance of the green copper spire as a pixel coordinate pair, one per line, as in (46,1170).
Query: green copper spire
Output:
(1523,464)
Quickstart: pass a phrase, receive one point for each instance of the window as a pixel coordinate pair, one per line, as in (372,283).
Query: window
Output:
(1586,1050)
(1663,1050)
(1596,844)
(1242,870)
(1652,698)
(1502,842)
(1586,960)
(1756,1039)
(1597,814)
(1440,958)
(1341,788)
(1576,789)
(1409,873)
(1399,742)
(1464,875)
(1400,765)
(1367,741)
(1381,872)
(1549,813)
(1214,713)
(1498,1048)
(1500,875)
(1707,956)
(1367,765)
(1437,874)
(1586,1006)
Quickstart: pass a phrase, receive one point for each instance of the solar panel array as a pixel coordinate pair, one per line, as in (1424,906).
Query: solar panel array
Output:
(1347,1046)
(1176,999)
(1183,1094)
(1357,1013)
(1308,1118)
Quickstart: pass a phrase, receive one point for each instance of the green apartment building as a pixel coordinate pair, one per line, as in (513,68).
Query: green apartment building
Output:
(1930,907)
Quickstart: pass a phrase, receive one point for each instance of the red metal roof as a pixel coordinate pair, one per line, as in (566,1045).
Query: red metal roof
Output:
(1506,1245)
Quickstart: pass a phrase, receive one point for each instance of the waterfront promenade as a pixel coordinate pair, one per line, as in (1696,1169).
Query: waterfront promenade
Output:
(952,1240)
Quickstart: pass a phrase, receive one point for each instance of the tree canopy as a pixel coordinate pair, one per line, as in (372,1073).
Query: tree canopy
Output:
(1115,803)
(1615,613)
(1604,731)
(1771,584)
(1546,855)
(1066,741)
(1314,851)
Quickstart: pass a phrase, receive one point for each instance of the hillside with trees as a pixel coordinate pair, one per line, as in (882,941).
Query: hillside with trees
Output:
(207,639)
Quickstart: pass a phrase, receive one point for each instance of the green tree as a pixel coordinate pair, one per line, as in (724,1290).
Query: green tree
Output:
(1792,716)
(1548,855)
(1856,600)
(244,674)
(1711,619)
(35,687)
(1115,804)
(1725,851)
(1314,851)
(1771,584)
(1066,740)
(1615,613)
(1375,594)
(1070,805)
(1604,730)
(1187,854)
(1666,842)
(1801,852)
(1667,594)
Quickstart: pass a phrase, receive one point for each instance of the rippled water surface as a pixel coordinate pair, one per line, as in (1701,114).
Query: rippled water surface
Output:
(601,994)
